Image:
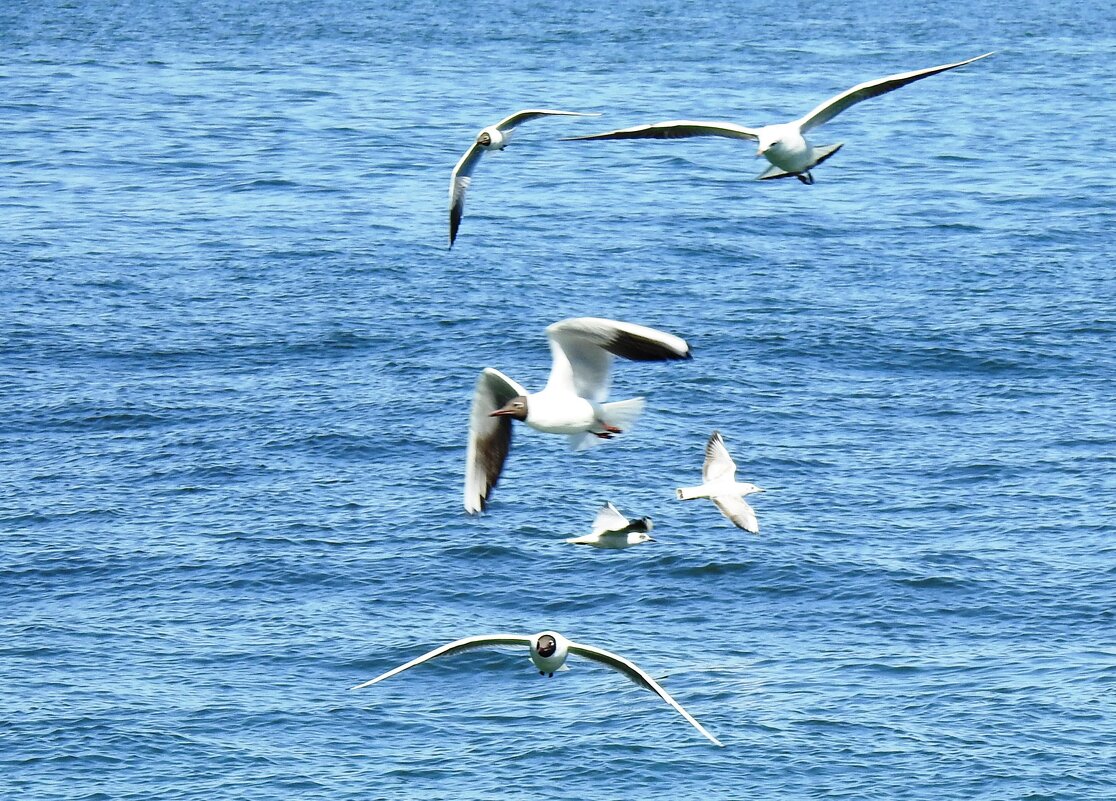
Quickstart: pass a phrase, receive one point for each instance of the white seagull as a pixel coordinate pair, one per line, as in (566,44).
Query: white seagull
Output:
(494,137)
(783,144)
(614,531)
(548,651)
(571,403)
(720,486)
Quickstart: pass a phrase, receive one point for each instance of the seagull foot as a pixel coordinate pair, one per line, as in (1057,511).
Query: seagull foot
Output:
(806,178)
(603,434)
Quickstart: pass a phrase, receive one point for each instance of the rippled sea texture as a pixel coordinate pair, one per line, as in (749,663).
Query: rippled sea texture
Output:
(237,360)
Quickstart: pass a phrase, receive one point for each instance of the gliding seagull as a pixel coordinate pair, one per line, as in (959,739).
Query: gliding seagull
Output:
(572,402)
(720,486)
(548,650)
(614,531)
(783,145)
(494,137)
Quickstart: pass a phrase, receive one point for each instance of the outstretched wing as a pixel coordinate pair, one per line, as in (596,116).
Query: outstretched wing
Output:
(738,511)
(520,117)
(489,437)
(633,672)
(675,129)
(718,463)
(459,181)
(850,97)
(609,519)
(583,347)
(457,646)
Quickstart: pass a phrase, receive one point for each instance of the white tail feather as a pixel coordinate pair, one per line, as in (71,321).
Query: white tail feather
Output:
(689,493)
(622,413)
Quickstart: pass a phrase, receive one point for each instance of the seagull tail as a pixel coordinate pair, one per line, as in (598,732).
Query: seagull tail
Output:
(689,493)
(622,413)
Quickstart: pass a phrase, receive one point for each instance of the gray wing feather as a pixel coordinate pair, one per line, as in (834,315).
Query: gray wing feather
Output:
(583,348)
(863,91)
(489,437)
(738,511)
(718,463)
(633,672)
(457,646)
(610,519)
(676,129)
(459,182)
(534,113)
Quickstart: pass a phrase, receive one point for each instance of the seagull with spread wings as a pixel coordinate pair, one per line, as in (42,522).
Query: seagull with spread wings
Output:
(720,486)
(548,651)
(494,137)
(614,531)
(784,144)
(571,403)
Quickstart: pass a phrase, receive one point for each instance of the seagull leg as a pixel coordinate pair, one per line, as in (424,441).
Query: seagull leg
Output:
(806,178)
(607,432)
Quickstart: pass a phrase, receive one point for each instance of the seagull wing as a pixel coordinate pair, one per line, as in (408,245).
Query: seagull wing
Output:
(457,646)
(718,463)
(633,672)
(583,348)
(850,97)
(520,117)
(610,519)
(489,437)
(676,129)
(459,181)
(738,511)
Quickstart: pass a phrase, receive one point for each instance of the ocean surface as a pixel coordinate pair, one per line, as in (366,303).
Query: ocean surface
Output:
(236,362)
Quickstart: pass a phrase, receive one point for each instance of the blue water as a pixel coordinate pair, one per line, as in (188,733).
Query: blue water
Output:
(237,360)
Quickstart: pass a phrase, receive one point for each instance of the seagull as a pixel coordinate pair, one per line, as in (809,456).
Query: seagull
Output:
(571,403)
(614,531)
(720,486)
(548,650)
(784,144)
(494,137)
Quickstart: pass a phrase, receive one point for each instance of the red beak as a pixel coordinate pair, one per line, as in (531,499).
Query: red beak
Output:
(500,413)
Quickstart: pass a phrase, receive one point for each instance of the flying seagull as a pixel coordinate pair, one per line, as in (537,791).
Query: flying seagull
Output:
(571,403)
(548,651)
(784,144)
(720,486)
(494,137)
(614,531)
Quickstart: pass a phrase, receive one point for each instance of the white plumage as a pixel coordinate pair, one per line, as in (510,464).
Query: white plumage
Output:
(571,403)
(783,145)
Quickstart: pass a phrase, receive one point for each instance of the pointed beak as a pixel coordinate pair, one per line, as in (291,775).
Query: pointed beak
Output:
(500,413)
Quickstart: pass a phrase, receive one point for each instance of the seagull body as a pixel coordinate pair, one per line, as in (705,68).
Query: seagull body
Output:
(720,486)
(784,145)
(548,651)
(571,403)
(614,531)
(494,137)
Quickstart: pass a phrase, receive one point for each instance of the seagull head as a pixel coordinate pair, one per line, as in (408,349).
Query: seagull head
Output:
(748,489)
(516,407)
(643,536)
(484,138)
(546,645)
(765,143)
